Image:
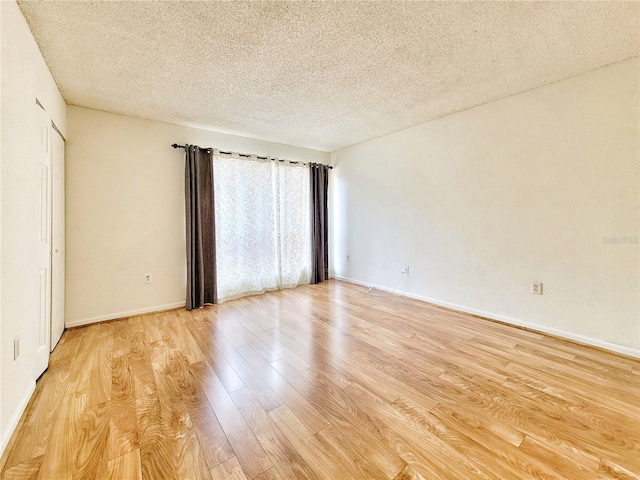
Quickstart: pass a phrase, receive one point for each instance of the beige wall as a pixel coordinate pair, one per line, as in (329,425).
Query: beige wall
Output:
(25,77)
(125,210)
(481,203)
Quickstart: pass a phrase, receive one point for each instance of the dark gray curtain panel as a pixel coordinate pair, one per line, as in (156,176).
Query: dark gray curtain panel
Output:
(319,223)
(201,230)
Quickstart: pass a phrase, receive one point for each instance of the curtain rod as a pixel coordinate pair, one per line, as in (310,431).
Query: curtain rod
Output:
(246,155)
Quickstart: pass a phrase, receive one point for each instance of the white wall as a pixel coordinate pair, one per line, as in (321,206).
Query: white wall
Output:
(482,202)
(2,434)
(24,77)
(125,210)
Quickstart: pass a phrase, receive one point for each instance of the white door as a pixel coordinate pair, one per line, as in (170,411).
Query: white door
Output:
(44,247)
(57,236)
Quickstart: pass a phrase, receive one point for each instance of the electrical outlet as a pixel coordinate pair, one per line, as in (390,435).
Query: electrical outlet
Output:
(406,270)
(536,288)
(148,278)
(348,258)
(16,348)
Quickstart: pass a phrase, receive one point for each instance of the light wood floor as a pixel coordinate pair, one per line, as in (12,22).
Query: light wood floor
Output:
(327,382)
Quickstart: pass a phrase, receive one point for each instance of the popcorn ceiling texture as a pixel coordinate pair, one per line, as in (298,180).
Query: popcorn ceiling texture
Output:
(322,75)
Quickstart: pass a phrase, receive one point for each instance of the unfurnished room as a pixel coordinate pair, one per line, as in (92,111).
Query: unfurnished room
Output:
(274,240)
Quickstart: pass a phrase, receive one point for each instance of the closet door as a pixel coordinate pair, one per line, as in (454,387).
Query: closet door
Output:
(57,236)
(44,245)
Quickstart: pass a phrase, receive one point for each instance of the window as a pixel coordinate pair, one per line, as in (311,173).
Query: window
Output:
(262,225)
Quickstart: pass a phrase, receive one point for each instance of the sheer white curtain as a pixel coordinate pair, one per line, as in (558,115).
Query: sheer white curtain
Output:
(262,225)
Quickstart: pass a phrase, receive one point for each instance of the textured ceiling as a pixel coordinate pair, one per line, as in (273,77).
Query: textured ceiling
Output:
(323,75)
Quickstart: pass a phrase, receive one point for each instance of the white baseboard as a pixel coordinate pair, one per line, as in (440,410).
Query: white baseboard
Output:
(114,316)
(613,347)
(15,418)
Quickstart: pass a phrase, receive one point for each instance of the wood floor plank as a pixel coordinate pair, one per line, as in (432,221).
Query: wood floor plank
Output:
(248,450)
(216,359)
(609,470)
(155,448)
(228,470)
(106,329)
(91,452)
(35,434)
(281,452)
(289,395)
(24,471)
(599,355)
(438,446)
(254,382)
(185,450)
(125,466)
(557,461)
(352,422)
(271,474)
(327,381)
(504,450)
(69,343)
(151,327)
(123,429)
(100,380)
(283,352)
(409,473)
(180,334)
(575,432)
(356,372)
(80,376)
(359,460)
(121,344)
(123,426)
(59,459)
(215,446)
(321,460)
